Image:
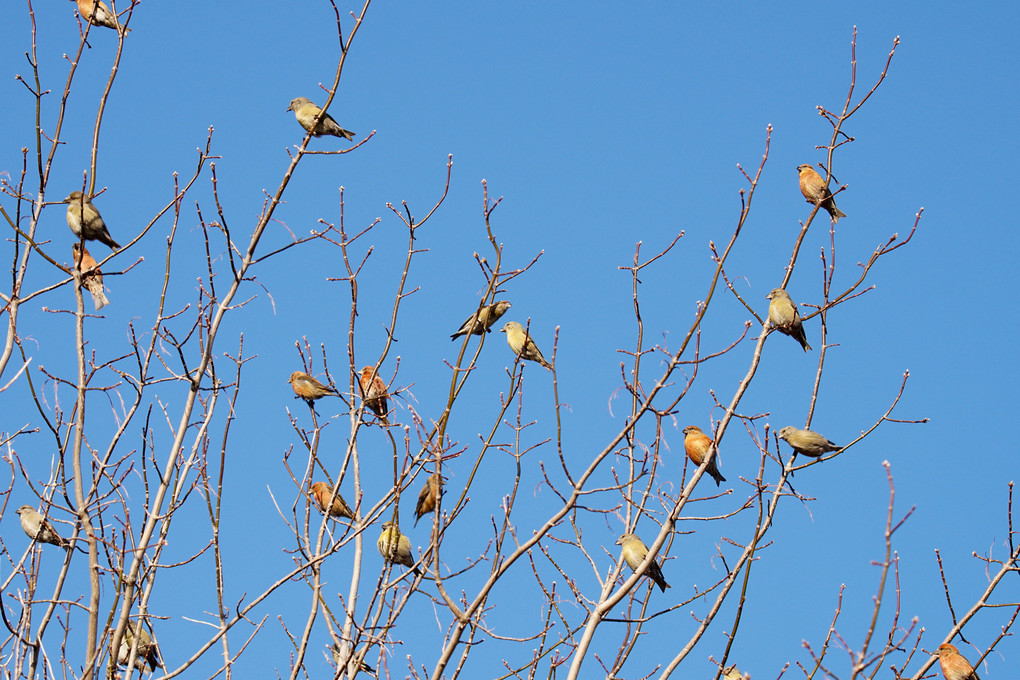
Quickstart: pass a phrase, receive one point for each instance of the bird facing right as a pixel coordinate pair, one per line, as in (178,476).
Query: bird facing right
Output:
(428,496)
(954,666)
(305,112)
(784,316)
(634,553)
(486,317)
(813,187)
(147,654)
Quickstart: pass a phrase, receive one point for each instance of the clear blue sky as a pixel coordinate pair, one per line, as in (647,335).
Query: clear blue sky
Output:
(600,125)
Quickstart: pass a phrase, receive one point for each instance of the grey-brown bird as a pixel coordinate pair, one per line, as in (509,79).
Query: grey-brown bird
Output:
(813,187)
(807,442)
(39,528)
(340,661)
(308,388)
(322,492)
(83,218)
(954,666)
(395,547)
(733,673)
(305,112)
(373,391)
(784,316)
(522,344)
(482,322)
(634,553)
(147,654)
(428,496)
(97,13)
(91,277)
(697,445)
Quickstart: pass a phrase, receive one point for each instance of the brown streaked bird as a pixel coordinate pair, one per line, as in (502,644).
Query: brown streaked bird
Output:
(486,317)
(322,492)
(813,187)
(634,553)
(373,391)
(522,344)
(954,666)
(147,654)
(97,13)
(83,218)
(428,496)
(807,442)
(784,316)
(308,388)
(697,444)
(305,112)
(39,528)
(91,277)
(395,547)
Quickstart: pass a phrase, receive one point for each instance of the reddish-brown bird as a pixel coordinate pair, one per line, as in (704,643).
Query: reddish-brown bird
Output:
(813,187)
(322,492)
(373,391)
(954,666)
(308,388)
(91,277)
(99,15)
(428,497)
(697,444)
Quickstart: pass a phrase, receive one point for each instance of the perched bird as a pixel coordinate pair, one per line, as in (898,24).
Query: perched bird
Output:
(83,217)
(486,317)
(634,553)
(784,316)
(322,492)
(733,673)
(147,654)
(98,14)
(308,388)
(522,344)
(373,391)
(91,277)
(954,666)
(338,660)
(813,187)
(806,442)
(428,496)
(305,112)
(697,444)
(39,528)
(395,547)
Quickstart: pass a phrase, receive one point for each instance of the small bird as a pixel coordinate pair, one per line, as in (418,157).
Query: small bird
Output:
(784,316)
(954,666)
(697,444)
(373,391)
(428,496)
(322,492)
(96,12)
(82,216)
(634,553)
(806,442)
(308,388)
(522,344)
(39,528)
(733,673)
(305,112)
(339,661)
(91,277)
(814,189)
(395,547)
(486,317)
(147,654)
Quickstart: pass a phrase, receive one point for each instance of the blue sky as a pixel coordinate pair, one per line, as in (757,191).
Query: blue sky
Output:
(600,125)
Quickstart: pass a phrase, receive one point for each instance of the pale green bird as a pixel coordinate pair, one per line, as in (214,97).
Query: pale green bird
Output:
(147,654)
(83,218)
(634,552)
(395,547)
(39,528)
(340,662)
(522,344)
(486,317)
(733,673)
(806,442)
(784,316)
(305,112)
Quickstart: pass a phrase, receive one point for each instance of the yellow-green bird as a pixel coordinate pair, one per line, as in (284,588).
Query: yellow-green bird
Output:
(147,654)
(634,552)
(482,322)
(784,316)
(39,528)
(806,442)
(395,547)
(733,673)
(305,112)
(522,344)
(339,662)
(428,496)
(83,218)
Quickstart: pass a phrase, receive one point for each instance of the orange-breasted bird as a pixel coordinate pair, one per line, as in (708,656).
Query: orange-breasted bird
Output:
(522,344)
(98,14)
(308,388)
(784,316)
(813,187)
(322,492)
(83,218)
(91,277)
(428,496)
(697,444)
(373,391)
(305,112)
(954,666)
(486,317)
(634,553)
